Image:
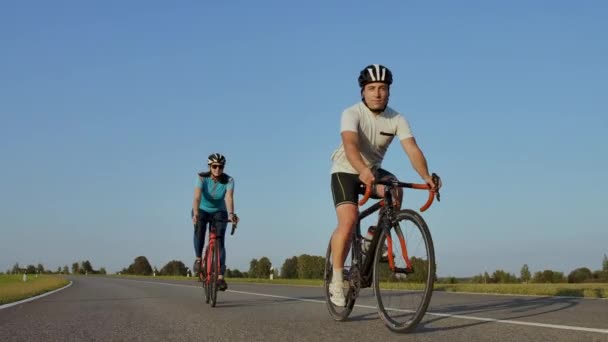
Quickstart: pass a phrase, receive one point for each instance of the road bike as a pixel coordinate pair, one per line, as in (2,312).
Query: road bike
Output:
(210,263)
(399,263)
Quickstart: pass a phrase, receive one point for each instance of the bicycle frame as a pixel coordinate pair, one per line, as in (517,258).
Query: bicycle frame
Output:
(209,256)
(386,219)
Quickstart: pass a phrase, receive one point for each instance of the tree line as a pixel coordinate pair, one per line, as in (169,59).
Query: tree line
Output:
(82,267)
(307,266)
(579,275)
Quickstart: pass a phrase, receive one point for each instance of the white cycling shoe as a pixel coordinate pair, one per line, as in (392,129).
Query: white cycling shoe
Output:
(336,294)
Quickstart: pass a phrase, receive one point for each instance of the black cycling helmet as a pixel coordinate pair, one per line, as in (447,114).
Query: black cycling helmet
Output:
(375,73)
(216,158)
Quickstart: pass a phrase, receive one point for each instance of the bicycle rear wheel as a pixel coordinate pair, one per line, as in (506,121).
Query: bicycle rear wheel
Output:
(403,293)
(338,313)
(214,274)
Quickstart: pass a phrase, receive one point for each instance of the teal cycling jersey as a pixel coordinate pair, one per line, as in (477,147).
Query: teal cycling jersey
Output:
(213,191)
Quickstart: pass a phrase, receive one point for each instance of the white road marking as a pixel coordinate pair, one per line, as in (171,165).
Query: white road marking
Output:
(473,318)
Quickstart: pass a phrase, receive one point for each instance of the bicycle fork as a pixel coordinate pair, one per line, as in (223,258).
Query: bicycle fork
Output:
(391,260)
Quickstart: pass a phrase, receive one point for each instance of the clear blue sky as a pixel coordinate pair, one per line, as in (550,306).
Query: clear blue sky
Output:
(109,109)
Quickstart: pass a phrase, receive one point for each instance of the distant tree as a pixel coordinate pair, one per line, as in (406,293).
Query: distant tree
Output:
(289,269)
(237,274)
(447,280)
(310,267)
(58,270)
(245,274)
(262,268)
(605,263)
(86,267)
(174,268)
(600,276)
(66,270)
(253,266)
(580,275)
(524,274)
(548,276)
(75,268)
(102,270)
(31,269)
(478,279)
(486,278)
(140,266)
(558,277)
(39,269)
(16,269)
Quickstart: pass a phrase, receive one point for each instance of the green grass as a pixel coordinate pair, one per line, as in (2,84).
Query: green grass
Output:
(590,290)
(12,287)
(279,281)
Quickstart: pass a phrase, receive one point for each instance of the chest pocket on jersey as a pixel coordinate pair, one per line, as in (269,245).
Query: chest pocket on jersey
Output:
(384,139)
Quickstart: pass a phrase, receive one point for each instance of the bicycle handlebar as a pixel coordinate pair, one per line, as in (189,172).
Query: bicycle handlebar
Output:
(229,220)
(233,224)
(233,228)
(432,193)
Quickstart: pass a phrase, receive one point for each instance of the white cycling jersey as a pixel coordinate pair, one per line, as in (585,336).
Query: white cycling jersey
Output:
(376,132)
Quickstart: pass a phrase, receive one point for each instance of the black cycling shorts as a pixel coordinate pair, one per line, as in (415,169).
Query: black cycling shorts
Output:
(346,187)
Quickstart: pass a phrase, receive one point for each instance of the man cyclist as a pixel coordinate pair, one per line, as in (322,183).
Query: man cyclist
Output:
(367,128)
(213,203)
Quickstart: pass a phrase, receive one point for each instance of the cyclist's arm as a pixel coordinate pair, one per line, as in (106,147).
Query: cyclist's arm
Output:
(230,200)
(196,202)
(197,199)
(351,148)
(416,157)
(349,128)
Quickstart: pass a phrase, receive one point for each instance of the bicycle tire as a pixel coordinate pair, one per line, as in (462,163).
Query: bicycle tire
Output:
(338,314)
(203,276)
(213,278)
(388,314)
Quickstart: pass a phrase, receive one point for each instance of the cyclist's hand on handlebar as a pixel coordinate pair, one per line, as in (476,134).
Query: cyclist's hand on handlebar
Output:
(195,217)
(367,177)
(234,218)
(434,182)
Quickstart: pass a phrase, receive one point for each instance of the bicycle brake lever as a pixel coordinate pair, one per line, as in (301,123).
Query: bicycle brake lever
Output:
(436,181)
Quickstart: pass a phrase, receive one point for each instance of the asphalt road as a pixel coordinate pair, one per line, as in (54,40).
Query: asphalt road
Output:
(111,309)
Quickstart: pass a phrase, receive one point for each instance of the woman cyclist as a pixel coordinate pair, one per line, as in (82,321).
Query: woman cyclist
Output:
(213,204)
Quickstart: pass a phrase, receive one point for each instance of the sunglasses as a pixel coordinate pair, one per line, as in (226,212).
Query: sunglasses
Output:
(215,166)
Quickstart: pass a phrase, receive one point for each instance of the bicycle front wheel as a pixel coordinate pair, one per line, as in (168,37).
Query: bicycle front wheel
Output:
(203,276)
(404,272)
(214,274)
